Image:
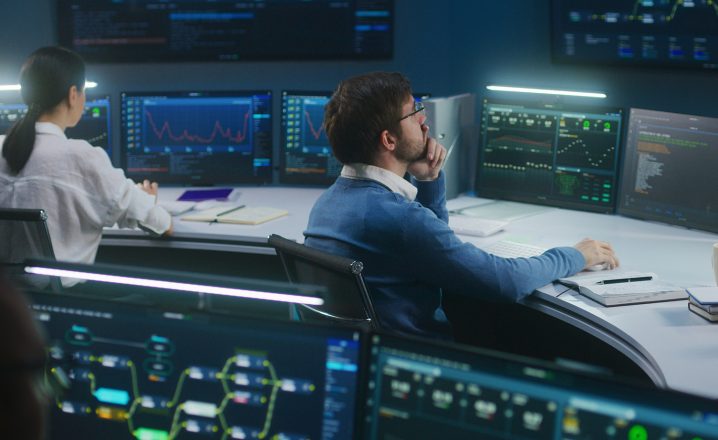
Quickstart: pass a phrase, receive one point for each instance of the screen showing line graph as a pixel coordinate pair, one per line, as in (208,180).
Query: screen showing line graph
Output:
(669,171)
(95,126)
(305,151)
(680,33)
(550,154)
(198,137)
(138,372)
(306,155)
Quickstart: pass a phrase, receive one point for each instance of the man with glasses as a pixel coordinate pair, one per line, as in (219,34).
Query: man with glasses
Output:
(388,210)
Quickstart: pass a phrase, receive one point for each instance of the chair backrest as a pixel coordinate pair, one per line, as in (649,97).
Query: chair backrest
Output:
(348,300)
(23,235)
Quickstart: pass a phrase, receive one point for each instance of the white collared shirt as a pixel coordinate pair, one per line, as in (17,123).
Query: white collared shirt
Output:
(392,181)
(81,192)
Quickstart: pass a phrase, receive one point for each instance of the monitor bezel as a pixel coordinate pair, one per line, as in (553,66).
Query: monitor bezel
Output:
(643,215)
(555,105)
(207,179)
(294,178)
(65,38)
(601,383)
(226,319)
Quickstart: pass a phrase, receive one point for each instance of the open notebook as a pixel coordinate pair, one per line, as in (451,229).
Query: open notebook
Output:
(618,287)
(242,215)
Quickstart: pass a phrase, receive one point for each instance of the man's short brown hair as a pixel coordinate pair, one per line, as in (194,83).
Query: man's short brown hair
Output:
(360,109)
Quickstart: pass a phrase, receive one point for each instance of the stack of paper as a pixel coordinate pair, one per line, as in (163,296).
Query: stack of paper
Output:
(703,301)
(616,287)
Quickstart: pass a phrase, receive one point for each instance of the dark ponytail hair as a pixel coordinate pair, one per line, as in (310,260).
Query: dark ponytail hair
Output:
(45,80)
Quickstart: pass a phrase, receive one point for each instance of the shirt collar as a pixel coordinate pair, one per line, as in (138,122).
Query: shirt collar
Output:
(385,177)
(49,128)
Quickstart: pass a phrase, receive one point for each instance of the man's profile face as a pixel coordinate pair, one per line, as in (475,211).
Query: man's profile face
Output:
(411,145)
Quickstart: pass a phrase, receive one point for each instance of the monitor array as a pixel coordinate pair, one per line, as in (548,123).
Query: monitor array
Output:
(656,166)
(125,371)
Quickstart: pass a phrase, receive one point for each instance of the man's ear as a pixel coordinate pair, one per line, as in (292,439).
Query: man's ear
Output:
(73,95)
(388,140)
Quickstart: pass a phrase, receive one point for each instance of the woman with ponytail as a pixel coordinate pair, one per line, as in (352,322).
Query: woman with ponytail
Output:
(71,180)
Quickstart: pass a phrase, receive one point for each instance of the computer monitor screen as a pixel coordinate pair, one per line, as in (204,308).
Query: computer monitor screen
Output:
(197,137)
(669,170)
(122,31)
(95,126)
(681,33)
(150,373)
(550,154)
(423,390)
(306,156)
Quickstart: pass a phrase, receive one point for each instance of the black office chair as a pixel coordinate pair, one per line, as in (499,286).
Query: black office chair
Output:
(23,235)
(347,301)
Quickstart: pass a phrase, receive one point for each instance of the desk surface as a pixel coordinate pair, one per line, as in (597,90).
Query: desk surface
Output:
(674,346)
(230,237)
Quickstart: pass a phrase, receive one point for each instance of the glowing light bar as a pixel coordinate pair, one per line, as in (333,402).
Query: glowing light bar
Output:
(10,87)
(546,91)
(171,285)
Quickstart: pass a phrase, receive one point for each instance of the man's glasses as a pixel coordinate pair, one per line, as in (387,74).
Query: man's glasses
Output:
(418,108)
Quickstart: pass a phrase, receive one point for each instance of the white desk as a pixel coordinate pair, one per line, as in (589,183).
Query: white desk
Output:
(675,347)
(230,237)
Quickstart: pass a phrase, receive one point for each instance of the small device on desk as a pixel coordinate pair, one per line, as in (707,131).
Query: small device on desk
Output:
(619,287)
(480,227)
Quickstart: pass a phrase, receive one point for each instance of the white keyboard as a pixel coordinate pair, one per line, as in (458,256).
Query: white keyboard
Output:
(480,227)
(512,249)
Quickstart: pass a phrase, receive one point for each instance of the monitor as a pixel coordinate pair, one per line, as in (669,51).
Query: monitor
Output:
(549,154)
(122,31)
(306,156)
(154,373)
(669,170)
(197,138)
(419,389)
(95,126)
(679,33)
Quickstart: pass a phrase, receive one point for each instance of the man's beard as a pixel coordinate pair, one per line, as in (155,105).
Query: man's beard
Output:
(410,151)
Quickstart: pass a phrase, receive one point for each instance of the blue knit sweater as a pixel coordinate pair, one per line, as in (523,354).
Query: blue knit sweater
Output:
(410,254)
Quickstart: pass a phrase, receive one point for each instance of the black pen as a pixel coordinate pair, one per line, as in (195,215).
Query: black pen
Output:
(226,212)
(625,280)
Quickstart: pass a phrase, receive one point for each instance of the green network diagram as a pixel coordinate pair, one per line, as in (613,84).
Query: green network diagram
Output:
(247,378)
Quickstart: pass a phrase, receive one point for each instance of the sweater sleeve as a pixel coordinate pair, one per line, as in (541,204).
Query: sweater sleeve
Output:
(432,195)
(126,204)
(446,262)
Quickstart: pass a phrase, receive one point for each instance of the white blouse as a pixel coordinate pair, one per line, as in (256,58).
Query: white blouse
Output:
(76,184)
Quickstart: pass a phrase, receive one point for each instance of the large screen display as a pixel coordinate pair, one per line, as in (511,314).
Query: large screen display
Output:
(226,30)
(681,33)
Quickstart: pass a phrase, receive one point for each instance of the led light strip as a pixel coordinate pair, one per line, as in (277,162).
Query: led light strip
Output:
(546,91)
(186,287)
(10,87)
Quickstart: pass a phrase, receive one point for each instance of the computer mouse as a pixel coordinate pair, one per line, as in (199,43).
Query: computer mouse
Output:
(597,267)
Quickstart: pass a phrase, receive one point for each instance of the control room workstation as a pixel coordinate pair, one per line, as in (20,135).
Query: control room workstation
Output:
(562,120)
